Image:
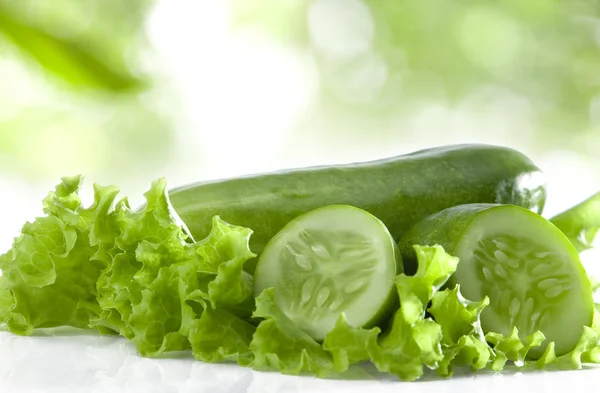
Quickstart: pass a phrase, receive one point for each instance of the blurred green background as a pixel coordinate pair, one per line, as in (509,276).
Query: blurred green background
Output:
(128,91)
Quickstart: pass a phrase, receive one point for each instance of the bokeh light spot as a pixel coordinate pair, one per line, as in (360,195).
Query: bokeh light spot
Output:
(489,38)
(359,81)
(341,28)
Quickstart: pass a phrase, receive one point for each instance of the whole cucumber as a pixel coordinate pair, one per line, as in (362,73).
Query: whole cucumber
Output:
(399,190)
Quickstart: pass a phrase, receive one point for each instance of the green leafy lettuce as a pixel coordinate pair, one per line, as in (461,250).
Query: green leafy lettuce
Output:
(133,272)
(280,345)
(157,286)
(463,342)
(50,273)
(414,340)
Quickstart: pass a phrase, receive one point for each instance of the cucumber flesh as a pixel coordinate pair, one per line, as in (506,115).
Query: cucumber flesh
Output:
(531,274)
(332,260)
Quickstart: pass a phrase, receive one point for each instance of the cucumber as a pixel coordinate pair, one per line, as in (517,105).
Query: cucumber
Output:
(581,223)
(524,264)
(332,260)
(399,190)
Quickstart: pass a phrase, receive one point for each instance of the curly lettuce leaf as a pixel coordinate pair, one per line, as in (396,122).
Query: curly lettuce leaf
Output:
(147,241)
(587,350)
(412,340)
(219,336)
(7,300)
(279,344)
(222,255)
(51,270)
(512,348)
(132,272)
(157,284)
(160,317)
(463,343)
(222,332)
(349,345)
(434,268)
(581,222)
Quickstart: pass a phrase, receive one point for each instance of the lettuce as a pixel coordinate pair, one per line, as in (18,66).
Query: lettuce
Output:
(349,345)
(157,284)
(463,342)
(50,273)
(218,335)
(512,348)
(413,340)
(279,344)
(133,272)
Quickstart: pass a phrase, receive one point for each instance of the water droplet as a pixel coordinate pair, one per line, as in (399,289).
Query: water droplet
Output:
(500,271)
(487,273)
(548,283)
(500,256)
(320,251)
(303,263)
(554,292)
(307,289)
(515,305)
(322,296)
(354,285)
(541,254)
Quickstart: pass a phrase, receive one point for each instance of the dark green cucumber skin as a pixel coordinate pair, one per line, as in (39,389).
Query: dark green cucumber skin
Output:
(399,190)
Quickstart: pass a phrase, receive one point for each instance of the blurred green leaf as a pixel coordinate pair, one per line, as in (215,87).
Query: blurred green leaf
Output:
(74,62)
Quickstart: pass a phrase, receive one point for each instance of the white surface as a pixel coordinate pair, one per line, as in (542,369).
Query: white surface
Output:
(88,363)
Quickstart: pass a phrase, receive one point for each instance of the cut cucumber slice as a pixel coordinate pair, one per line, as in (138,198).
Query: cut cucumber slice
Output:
(524,264)
(332,260)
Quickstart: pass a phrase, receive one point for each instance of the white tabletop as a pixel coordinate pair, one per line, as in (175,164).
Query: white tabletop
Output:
(77,362)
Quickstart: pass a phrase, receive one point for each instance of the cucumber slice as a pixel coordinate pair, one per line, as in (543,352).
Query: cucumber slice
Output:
(524,264)
(332,260)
